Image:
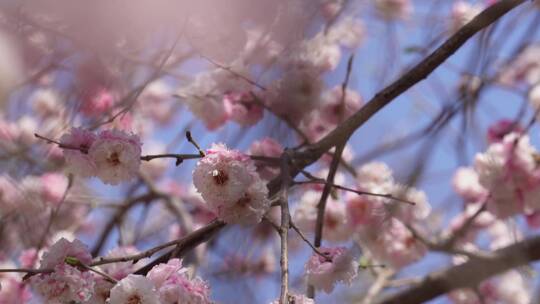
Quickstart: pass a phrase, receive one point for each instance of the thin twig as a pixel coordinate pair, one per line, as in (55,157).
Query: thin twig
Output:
(179,157)
(304,238)
(234,73)
(322,203)
(194,143)
(383,195)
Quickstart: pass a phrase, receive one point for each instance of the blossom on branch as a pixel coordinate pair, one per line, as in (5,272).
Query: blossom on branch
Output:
(66,283)
(134,289)
(337,265)
(174,286)
(77,159)
(228,182)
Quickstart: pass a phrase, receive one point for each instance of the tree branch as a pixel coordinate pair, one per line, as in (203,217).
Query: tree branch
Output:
(284,228)
(469,274)
(409,79)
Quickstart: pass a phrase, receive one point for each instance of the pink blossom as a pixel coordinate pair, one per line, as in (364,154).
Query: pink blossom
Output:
(367,211)
(116,155)
(463,12)
(506,170)
(296,94)
(249,209)
(337,107)
(102,291)
(46,102)
(364,212)
(223,175)
(204,95)
(405,212)
(348,32)
(54,187)
(8,131)
(394,9)
(533,219)
(501,128)
(509,287)
(261,48)
(64,284)
(375,175)
(394,244)
(121,270)
(230,185)
(27,126)
(347,155)
(134,289)
(512,288)
(524,69)
(338,266)
(502,235)
(212,112)
(14,291)
(266,147)
(9,195)
(481,222)
(330,8)
(77,159)
(63,248)
(314,127)
(242,108)
(174,286)
(335,226)
(154,102)
(28,258)
(98,102)
(319,54)
(466,184)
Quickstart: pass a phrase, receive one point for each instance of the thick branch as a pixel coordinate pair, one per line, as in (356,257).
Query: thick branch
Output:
(469,274)
(188,242)
(409,79)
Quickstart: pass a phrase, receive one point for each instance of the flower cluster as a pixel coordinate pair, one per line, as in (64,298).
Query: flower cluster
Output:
(217,96)
(221,95)
(381,222)
(509,174)
(336,265)
(165,284)
(335,225)
(112,155)
(70,280)
(31,198)
(230,185)
(378,219)
(66,283)
(173,284)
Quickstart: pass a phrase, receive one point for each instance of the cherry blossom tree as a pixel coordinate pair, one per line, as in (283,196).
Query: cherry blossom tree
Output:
(287,151)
